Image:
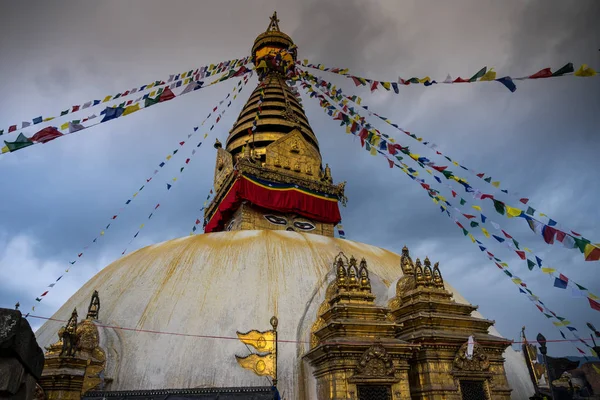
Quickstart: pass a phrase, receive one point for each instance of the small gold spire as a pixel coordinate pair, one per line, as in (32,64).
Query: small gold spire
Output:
(427,272)
(352,275)
(274,24)
(438,281)
(340,273)
(365,282)
(406,262)
(420,280)
(217,144)
(94,307)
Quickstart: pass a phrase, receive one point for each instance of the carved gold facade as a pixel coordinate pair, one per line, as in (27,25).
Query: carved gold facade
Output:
(419,340)
(76,363)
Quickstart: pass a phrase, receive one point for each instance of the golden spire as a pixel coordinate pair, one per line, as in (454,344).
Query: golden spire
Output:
(274,24)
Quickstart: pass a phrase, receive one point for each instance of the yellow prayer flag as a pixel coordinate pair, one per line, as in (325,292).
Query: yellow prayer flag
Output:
(48,119)
(543,215)
(455,163)
(5,149)
(184,75)
(419,139)
(358,100)
(64,126)
(392,140)
(187,80)
(174,179)
(205,135)
(386,85)
(517,281)
(348,129)
(489,76)
(426,79)
(305,62)
(141,226)
(414,156)
(150,85)
(262,341)
(135,194)
(435,200)
(593,296)
(496,184)
(588,250)
(261,365)
(131,109)
(472,238)
(152,93)
(429,171)
(512,211)
(504,264)
(585,71)
(107,98)
(485,232)
(373,151)
(322,67)
(102,233)
(594,365)
(548,270)
(527,249)
(477,208)
(169,157)
(234,96)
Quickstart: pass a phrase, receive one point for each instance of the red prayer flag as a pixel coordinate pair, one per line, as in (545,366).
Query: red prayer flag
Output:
(129,102)
(79,255)
(481,175)
(187,161)
(544,73)
(575,233)
(581,351)
(506,234)
(158,205)
(437,168)
(12,128)
(521,254)
(487,196)
(498,265)
(374,86)
(548,232)
(356,81)
(391,163)
(181,143)
(45,293)
(114,217)
(214,109)
(459,224)
(426,186)
(563,278)
(460,80)
(594,255)
(453,193)
(524,200)
(166,95)
(539,308)
(469,216)
(197,221)
(75,108)
(594,304)
(45,135)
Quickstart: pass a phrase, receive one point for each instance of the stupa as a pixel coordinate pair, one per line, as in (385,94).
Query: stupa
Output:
(354,321)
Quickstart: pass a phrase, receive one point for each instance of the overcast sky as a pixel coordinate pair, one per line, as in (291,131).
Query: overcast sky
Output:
(541,141)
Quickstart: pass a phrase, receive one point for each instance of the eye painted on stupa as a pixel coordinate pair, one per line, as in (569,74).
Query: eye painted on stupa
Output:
(304,225)
(274,219)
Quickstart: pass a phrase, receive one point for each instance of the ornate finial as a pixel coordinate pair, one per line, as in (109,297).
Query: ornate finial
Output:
(438,281)
(406,262)
(94,307)
(274,24)
(217,144)
(247,151)
(17,305)
(365,282)
(274,321)
(327,176)
(427,272)
(352,274)
(420,280)
(340,272)
(68,334)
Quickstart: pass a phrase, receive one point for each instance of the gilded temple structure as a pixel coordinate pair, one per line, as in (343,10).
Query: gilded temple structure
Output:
(353,321)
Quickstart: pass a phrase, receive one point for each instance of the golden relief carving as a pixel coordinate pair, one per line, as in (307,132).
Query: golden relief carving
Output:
(406,262)
(477,362)
(375,363)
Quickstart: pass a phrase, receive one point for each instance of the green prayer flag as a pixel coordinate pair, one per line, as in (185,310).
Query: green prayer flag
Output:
(399,158)
(474,224)
(466,232)
(580,242)
(580,287)
(367,146)
(462,202)
(64,112)
(560,318)
(530,264)
(567,69)
(507,272)
(150,101)
(488,179)
(499,206)
(547,315)
(516,244)
(478,75)
(21,142)
(530,211)
(181,170)
(447,174)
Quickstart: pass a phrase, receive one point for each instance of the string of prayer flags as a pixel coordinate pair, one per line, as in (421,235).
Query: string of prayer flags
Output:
(108,114)
(483,75)
(375,140)
(438,199)
(203,221)
(237,88)
(197,74)
(591,251)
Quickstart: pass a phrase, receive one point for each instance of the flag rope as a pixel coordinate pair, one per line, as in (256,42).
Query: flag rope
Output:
(201,71)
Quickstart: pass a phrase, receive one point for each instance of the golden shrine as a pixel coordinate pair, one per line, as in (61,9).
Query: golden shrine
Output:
(385,327)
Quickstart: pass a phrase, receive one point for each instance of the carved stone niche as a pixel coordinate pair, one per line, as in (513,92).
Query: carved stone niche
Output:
(474,370)
(375,366)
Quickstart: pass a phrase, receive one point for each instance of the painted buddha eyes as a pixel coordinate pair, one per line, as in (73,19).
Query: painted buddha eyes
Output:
(301,225)
(276,220)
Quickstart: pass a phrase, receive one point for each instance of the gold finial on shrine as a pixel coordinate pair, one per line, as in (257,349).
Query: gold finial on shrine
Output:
(94,307)
(438,281)
(274,24)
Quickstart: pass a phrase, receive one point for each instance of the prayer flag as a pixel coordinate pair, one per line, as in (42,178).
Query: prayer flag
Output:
(507,81)
(45,135)
(21,142)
